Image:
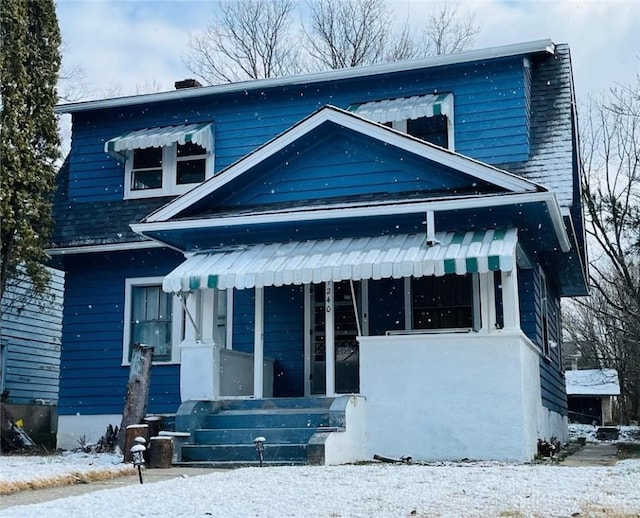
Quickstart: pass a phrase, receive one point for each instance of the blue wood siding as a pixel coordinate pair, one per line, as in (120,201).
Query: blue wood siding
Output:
(30,334)
(336,162)
(284,338)
(552,381)
(283,333)
(554,395)
(93,380)
(490,118)
(243,320)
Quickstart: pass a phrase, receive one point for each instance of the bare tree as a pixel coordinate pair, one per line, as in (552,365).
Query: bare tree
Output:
(608,323)
(72,85)
(250,39)
(447,31)
(347,33)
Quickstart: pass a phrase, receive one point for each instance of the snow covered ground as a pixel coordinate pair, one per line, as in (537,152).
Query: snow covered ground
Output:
(627,433)
(377,490)
(471,489)
(29,472)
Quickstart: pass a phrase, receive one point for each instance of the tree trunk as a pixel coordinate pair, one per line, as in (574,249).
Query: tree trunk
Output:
(135,406)
(161,452)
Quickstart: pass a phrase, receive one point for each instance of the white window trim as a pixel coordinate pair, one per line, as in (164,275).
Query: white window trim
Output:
(169,172)
(177,319)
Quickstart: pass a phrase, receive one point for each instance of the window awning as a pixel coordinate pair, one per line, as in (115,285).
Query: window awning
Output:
(278,264)
(405,108)
(201,134)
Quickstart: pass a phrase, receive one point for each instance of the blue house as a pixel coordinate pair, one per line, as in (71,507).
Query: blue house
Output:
(355,262)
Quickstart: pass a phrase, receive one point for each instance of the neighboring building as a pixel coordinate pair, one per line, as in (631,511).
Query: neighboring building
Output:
(383,247)
(591,394)
(30,335)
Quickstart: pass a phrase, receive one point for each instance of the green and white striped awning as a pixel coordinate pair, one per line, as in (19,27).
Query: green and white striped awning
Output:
(404,108)
(306,262)
(201,134)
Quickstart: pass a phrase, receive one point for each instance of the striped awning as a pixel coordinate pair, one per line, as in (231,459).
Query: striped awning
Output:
(278,264)
(201,134)
(404,108)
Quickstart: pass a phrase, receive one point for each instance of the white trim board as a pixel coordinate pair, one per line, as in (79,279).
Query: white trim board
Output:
(360,125)
(344,212)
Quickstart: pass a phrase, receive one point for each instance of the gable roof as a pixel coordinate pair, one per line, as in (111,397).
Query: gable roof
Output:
(344,119)
(527,48)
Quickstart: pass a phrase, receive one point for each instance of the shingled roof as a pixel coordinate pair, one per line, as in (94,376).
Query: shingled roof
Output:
(96,223)
(551,157)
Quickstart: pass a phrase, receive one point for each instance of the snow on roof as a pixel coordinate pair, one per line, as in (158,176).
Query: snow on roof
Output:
(592,382)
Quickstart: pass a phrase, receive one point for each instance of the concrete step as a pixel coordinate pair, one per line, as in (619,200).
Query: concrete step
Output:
(247,435)
(243,453)
(268,418)
(272,403)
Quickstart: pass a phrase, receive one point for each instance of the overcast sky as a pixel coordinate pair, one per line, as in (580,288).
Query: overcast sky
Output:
(128,44)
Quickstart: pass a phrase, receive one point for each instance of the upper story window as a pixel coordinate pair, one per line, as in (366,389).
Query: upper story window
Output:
(164,161)
(428,117)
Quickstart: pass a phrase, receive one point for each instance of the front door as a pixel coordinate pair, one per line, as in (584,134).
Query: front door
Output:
(336,298)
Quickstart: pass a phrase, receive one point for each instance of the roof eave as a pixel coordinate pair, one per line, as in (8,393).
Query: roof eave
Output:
(526,48)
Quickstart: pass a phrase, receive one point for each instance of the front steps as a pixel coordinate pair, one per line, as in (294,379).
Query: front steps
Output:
(222,434)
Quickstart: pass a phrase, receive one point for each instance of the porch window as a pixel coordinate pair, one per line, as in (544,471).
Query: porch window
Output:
(424,304)
(152,317)
(442,302)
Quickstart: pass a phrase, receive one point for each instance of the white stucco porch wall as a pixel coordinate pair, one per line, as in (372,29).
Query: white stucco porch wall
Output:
(451,396)
(74,429)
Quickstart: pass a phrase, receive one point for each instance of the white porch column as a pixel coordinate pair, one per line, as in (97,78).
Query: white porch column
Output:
(330,341)
(200,363)
(487,302)
(258,348)
(207,315)
(510,299)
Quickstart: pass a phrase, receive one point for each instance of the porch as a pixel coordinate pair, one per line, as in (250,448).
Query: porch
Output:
(306,305)
(443,396)
(373,320)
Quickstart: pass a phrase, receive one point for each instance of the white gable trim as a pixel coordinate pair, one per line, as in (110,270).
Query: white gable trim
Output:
(358,124)
(366,210)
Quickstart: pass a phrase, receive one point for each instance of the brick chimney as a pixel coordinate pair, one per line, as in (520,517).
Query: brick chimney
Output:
(187,83)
